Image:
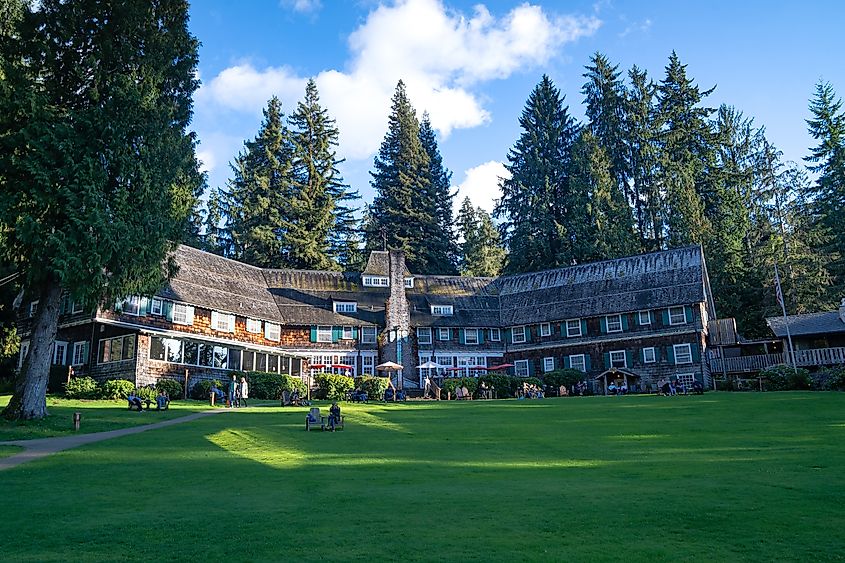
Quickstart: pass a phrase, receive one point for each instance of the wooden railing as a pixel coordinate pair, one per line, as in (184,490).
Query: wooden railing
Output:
(803,358)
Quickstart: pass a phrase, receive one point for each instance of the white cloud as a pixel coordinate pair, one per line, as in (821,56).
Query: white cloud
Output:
(481,185)
(441,54)
(302,6)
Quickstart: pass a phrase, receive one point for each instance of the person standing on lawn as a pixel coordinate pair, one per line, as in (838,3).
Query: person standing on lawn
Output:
(233,392)
(244,392)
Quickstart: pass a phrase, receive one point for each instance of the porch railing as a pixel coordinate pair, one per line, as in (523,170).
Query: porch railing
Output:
(803,358)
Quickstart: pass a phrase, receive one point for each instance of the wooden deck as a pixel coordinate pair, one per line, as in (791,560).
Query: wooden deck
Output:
(803,358)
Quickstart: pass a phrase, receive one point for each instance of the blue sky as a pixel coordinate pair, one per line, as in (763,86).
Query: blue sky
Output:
(471,65)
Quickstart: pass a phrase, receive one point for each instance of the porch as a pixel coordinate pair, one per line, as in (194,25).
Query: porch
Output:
(816,357)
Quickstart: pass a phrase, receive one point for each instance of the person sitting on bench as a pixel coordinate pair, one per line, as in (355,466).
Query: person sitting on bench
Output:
(162,401)
(134,401)
(334,415)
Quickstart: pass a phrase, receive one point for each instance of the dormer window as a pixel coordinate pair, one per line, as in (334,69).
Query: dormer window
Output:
(345,307)
(409,283)
(376,281)
(441,310)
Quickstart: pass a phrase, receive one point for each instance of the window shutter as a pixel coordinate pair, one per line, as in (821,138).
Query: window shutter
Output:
(624,321)
(696,354)
(355,332)
(566,362)
(480,333)
(337,332)
(603,325)
(85,349)
(688,313)
(642,355)
(670,354)
(629,358)
(144,306)
(190,314)
(530,368)
(313,334)
(215,316)
(665,314)
(651,316)
(167,310)
(231,323)
(607,360)
(587,362)
(461,336)
(583,327)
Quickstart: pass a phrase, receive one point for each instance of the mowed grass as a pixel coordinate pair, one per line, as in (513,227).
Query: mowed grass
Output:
(722,477)
(97,416)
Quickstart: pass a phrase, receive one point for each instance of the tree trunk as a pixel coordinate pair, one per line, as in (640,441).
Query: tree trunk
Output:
(30,398)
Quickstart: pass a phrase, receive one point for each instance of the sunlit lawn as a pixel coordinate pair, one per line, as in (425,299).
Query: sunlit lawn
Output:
(97,416)
(725,477)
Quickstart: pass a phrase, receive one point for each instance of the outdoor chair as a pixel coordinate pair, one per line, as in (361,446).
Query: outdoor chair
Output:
(314,419)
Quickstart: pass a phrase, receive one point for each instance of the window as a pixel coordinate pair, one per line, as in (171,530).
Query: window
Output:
(518,335)
(234,358)
(423,335)
(222,322)
(24,352)
(33,308)
(253,326)
(618,359)
(221,357)
(76,307)
(345,306)
(441,310)
(183,314)
(347,333)
(614,323)
(272,332)
(645,318)
(573,328)
(59,352)
(409,283)
(368,365)
(376,281)
(548,364)
(545,329)
(191,353)
(445,361)
(167,350)
(495,335)
(677,316)
(80,353)
(521,368)
(324,334)
(687,379)
(368,335)
(683,353)
(649,356)
(117,349)
(443,334)
(470,336)
(578,361)
(248,360)
(131,305)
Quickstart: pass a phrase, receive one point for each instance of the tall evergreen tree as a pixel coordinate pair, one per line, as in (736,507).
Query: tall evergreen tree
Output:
(481,250)
(216,238)
(827,194)
(685,152)
(93,137)
(535,203)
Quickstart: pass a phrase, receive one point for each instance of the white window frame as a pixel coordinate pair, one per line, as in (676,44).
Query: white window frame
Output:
(616,318)
(522,338)
(582,360)
(180,314)
(74,305)
(686,378)
(474,332)
(273,332)
(409,283)
(347,334)
(78,357)
(647,320)
(444,334)
(122,340)
(520,366)
(222,322)
(368,335)
(545,329)
(442,310)
(376,281)
(368,365)
(445,361)
(345,306)
(57,345)
(33,308)
(156,306)
(132,300)
(321,334)
(495,335)
(548,364)
(573,328)
(686,352)
(646,352)
(624,359)
(253,326)
(423,335)
(683,320)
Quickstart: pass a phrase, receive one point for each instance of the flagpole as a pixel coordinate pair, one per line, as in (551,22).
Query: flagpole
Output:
(779,296)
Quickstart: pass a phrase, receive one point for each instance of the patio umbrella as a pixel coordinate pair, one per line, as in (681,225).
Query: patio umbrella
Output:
(478,367)
(429,365)
(502,366)
(389,366)
(341,366)
(316,366)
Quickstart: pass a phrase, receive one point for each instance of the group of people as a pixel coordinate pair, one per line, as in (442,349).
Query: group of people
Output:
(237,394)
(614,389)
(530,391)
(136,402)
(672,387)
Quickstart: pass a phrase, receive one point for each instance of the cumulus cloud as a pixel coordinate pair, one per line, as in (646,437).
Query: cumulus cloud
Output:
(481,185)
(440,53)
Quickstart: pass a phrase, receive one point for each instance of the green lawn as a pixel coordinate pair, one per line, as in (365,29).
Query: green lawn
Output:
(97,416)
(6,451)
(725,477)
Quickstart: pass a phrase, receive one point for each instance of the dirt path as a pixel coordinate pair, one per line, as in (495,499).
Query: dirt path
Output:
(42,447)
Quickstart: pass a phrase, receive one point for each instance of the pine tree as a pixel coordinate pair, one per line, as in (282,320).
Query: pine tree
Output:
(401,212)
(93,137)
(534,199)
(442,247)
(255,203)
(215,239)
(827,194)
(685,152)
(481,251)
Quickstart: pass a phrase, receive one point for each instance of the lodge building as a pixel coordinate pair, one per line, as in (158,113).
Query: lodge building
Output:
(641,318)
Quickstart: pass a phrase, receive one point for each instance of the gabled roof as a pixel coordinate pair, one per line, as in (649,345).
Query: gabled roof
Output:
(807,324)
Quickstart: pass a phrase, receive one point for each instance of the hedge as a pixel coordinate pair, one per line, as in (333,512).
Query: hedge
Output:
(784,378)
(115,389)
(82,388)
(373,386)
(333,386)
(264,385)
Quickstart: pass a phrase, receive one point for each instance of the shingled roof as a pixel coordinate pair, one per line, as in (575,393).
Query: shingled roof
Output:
(807,324)
(378,264)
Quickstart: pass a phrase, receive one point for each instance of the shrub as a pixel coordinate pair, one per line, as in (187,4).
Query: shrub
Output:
(170,386)
(115,389)
(829,379)
(202,388)
(82,388)
(147,392)
(332,386)
(558,377)
(264,385)
(373,386)
(785,378)
(451,383)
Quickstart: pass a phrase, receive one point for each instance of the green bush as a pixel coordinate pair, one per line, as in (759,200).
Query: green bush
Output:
(170,386)
(373,386)
(785,378)
(82,388)
(147,392)
(451,383)
(558,377)
(115,389)
(332,386)
(202,388)
(829,379)
(264,385)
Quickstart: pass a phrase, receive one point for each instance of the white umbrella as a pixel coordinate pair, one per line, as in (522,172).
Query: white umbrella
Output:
(429,365)
(389,366)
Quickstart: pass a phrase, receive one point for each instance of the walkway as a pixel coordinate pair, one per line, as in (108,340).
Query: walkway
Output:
(42,447)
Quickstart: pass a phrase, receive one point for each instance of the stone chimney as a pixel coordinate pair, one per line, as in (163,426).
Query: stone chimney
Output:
(397,343)
(842,310)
